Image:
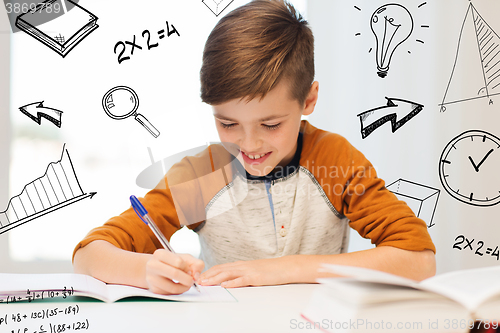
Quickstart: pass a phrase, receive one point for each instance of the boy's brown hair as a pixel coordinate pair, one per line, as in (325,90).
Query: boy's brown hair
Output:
(254,47)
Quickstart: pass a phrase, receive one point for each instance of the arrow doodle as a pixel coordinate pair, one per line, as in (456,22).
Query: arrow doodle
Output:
(36,111)
(397,111)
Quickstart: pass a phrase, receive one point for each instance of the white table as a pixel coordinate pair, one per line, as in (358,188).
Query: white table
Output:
(259,309)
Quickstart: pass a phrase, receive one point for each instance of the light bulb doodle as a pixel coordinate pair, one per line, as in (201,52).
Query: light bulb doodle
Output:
(391,24)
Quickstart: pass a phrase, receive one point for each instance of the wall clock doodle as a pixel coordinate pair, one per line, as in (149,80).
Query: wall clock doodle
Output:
(468,168)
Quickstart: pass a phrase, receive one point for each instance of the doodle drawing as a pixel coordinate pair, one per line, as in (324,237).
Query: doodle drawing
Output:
(476,70)
(62,32)
(122,102)
(391,24)
(217,6)
(397,111)
(421,199)
(57,188)
(122,46)
(468,168)
(36,111)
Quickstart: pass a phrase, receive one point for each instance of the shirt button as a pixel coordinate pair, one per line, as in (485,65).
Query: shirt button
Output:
(283,232)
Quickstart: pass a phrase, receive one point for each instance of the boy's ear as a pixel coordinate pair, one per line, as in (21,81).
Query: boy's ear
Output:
(311,99)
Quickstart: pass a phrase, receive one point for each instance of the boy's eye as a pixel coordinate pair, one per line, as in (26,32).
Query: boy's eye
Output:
(227,125)
(272,127)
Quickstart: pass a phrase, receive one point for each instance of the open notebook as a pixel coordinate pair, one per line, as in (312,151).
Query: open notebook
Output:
(29,287)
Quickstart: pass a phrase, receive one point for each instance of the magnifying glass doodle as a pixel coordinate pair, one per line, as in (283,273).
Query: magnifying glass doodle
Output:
(122,102)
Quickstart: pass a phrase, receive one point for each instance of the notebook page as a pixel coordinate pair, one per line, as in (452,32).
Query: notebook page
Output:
(206,294)
(21,282)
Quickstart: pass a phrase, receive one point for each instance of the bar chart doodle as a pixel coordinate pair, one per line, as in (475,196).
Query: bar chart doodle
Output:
(57,188)
(476,70)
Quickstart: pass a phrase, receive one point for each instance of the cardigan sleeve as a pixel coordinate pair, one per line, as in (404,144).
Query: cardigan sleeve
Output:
(354,189)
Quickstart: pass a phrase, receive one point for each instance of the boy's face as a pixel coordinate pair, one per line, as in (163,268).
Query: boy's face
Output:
(265,130)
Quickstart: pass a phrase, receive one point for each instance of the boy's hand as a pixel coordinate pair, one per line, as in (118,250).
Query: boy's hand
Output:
(262,272)
(171,273)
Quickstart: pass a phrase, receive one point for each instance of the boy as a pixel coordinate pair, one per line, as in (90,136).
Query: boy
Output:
(287,212)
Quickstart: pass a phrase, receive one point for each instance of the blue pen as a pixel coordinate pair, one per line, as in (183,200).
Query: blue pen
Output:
(144,216)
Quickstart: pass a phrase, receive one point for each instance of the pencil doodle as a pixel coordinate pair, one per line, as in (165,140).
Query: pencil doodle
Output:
(420,198)
(397,111)
(61,31)
(36,111)
(57,188)
(124,103)
(217,6)
(468,168)
(477,62)
(136,45)
(391,24)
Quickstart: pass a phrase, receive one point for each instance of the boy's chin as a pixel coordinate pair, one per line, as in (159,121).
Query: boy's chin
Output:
(259,172)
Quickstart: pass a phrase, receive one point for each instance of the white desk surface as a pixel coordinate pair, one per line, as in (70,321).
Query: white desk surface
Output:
(259,309)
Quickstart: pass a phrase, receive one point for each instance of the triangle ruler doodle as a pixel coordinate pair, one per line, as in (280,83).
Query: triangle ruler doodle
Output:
(476,70)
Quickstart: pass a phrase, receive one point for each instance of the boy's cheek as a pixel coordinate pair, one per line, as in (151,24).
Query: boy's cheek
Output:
(223,137)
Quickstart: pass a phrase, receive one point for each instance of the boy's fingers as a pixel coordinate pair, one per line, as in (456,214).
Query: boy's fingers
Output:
(213,271)
(160,285)
(196,265)
(166,271)
(171,259)
(238,282)
(218,278)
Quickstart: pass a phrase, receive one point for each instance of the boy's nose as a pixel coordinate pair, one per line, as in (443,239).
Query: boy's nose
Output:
(251,143)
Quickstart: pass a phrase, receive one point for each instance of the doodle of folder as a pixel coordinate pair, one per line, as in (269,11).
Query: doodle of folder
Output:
(59,32)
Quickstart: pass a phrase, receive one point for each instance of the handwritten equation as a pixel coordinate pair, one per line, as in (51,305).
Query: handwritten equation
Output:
(31,295)
(62,324)
(121,47)
(463,243)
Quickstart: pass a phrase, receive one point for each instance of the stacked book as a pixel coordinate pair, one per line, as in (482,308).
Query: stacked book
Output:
(365,300)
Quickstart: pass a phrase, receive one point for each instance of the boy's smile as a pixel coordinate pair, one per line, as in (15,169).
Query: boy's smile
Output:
(265,130)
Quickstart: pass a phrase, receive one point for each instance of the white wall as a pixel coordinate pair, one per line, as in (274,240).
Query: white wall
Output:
(107,154)
(4,122)
(103,150)
(349,85)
